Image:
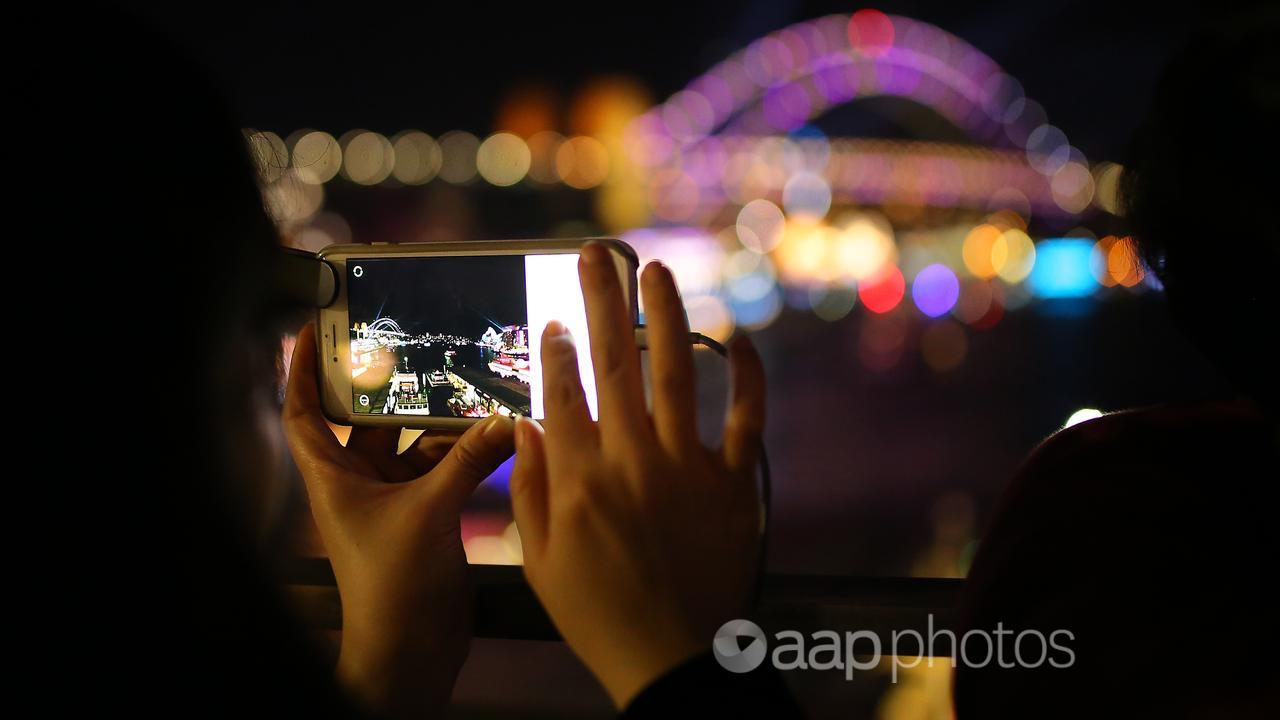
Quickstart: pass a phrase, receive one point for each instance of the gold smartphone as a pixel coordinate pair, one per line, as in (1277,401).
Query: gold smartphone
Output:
(440,335)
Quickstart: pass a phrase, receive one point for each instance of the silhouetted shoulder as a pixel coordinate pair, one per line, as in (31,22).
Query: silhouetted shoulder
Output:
(1168,447)
(1123,531)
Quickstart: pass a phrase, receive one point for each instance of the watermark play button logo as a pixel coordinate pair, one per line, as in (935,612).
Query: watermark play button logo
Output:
(739,646)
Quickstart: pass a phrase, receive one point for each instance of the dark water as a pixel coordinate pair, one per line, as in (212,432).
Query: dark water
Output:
(426,359)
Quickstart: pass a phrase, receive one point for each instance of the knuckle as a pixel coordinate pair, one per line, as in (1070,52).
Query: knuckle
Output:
(562,392)
(468,458)
(613,362)
(584,500)
(560,351)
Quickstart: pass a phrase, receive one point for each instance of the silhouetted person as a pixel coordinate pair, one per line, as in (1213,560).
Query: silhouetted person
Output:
(1151,534)
(180,305)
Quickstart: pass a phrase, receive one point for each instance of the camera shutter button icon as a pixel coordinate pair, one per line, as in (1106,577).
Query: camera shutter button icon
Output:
(730,651)
(364,401)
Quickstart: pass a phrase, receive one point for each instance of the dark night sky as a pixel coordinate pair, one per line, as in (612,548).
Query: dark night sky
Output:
(388,66)
(454,295)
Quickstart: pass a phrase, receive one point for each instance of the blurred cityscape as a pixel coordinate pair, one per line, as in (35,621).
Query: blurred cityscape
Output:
(931,302)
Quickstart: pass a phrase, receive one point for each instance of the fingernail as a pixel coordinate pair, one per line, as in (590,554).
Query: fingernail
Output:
(555,328)
(494,422)
(524,426)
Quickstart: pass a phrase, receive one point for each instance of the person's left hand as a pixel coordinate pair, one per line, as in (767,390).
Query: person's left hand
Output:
(390,526)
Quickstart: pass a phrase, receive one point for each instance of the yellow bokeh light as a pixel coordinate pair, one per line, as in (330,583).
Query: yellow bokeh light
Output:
(316,157)
(1013,255)
(976,250)
(803,256)
(863,245)
(1106,181)
(582,162)
(605,106)
(527,111)
(503,159)
(418,157)
(709,315)
(367,158)
(542,157)
(458,157)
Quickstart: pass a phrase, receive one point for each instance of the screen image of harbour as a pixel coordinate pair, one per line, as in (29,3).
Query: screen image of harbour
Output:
(450,336)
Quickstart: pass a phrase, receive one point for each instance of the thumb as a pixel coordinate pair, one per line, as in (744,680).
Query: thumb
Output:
(478,452)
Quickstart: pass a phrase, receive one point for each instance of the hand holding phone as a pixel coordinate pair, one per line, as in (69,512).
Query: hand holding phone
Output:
(639,541)
(390,526)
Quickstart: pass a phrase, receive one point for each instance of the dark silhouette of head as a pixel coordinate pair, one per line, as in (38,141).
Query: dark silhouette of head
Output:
(185,261)
(1142,533)
(1200,194)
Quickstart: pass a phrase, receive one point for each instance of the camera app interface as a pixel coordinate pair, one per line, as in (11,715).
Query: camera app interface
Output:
(459,336)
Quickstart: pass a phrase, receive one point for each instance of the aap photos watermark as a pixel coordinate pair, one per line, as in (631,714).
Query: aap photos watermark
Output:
(742,646)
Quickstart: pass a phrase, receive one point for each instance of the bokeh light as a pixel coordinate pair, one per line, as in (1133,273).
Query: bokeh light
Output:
(1072,187)
(367,157)
(882,293)
(1082,415)
(807,194)
(751,287)
(977,248)
(935,290)
(418,157)
(864,245)
(710,316)
(1013,255)
(673,195)
(316,157)
(1114,261)
(1106,180)
(290,200)
(976,297)
(760,226)
(1062,269)
(871,33)
(542,157)
(527,110)
(802,256)
(831,303)
(503,159)
(458,157)
(582,162)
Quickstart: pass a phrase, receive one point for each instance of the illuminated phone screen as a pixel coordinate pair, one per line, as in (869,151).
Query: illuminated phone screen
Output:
(459,336)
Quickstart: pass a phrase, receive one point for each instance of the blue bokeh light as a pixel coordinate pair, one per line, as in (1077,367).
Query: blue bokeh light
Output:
(1062,269)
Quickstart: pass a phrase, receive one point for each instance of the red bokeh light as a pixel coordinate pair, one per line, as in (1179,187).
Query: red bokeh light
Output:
(883,292)
(870,33)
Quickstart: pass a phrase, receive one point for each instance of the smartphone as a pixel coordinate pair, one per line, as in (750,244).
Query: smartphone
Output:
(441,335)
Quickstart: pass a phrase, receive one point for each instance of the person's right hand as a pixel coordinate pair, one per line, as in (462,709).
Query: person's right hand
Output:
(390,525)
(638,540)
